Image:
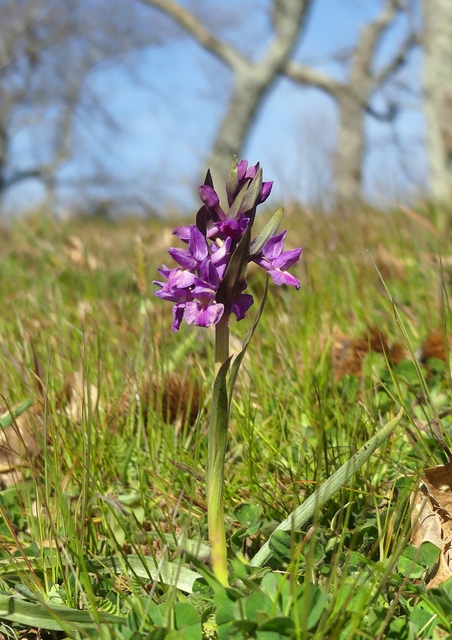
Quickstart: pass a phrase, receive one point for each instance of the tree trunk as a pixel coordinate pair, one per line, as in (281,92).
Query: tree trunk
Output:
(252,82)
(246,98)
(437,95)
(350,149)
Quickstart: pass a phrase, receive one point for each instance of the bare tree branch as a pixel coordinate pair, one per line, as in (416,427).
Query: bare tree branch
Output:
(200,33)
(353,97)
(363,56)
(308,76)
(397,61)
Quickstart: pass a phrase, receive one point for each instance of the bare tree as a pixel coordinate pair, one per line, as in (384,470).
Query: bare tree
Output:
(353,97)
(252,80)
(437,95)
(48,51)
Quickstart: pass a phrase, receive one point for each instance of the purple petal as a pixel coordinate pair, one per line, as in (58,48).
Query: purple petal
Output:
(209,274)
(274,246)
(286,259)
(165,272)
(174,295)
(212,233)
(183,233)
(203,291)
(183,257)
(241,305)
(178,314)
(197,245)
(241,169)
(252,171)
(284,277)
(220,254)
(231,229)
(209,196)
(181,279)
(202,316)
(266,190)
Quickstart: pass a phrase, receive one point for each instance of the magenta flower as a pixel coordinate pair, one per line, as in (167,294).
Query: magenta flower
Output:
(277,262)
(209,282)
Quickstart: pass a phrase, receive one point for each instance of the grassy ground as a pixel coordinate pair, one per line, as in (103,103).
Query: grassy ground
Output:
(114,455)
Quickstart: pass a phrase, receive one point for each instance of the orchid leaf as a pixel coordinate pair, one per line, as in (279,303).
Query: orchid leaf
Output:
(233,179)
(218,425)
(298,518)
(237,204)
(267,232)
(253,194)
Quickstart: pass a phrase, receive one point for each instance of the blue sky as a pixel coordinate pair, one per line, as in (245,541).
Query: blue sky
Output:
(169,113)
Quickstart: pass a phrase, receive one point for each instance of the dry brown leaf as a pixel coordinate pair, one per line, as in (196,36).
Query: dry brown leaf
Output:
(80,395)
(347,355)
(432,518)
(77,254)
(177,398)
(426,525)
(438,481)
(19,445)
(435,345)
(397,353)
(389,265)
(417,217)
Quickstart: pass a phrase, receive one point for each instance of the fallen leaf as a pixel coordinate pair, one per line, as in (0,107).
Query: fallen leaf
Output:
(431,518)
(389,265)
(347,355)
(80,394)
(19,444)
(77,254)
(436,345)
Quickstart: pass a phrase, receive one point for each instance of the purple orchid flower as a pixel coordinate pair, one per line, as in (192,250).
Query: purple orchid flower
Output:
(277,262)
(203,288)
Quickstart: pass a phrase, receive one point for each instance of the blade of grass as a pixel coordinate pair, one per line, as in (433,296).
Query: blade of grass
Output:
(306,511)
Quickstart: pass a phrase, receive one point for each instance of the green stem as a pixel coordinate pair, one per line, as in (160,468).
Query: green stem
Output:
(218,437)
(221,342)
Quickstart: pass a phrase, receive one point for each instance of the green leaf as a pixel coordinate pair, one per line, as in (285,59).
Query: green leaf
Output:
(313,604)
(187,620)
(298,518)
(414,562)
(8,417)
(237,361)
(170,573)
(423,619)
(233,178)
(237,204)
(281,545)
(258,606)
(218,435)
(248,515)
(276,628)
(253,193)
(267,232)
(53,617)
(278,588)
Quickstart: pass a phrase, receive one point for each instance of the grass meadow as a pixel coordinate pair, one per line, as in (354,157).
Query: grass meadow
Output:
(103,523)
